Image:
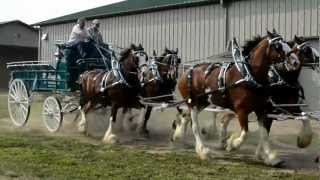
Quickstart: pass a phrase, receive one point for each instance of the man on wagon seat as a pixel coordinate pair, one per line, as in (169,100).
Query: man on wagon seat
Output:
(79,38)
(96,37)
(95,33)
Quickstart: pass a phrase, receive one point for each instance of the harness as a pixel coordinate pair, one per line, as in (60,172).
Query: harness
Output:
(153,68)
(116,70)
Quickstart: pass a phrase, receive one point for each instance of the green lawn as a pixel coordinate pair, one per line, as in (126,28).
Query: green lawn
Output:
(30,154)
(3,105)
(37,156)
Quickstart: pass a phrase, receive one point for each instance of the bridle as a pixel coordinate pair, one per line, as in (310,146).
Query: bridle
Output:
(285,62)
(154,67)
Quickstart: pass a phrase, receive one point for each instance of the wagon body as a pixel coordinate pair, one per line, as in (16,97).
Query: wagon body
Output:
(57,79)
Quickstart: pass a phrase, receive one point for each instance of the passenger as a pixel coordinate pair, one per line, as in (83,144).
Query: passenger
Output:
(96,36)
(95,33)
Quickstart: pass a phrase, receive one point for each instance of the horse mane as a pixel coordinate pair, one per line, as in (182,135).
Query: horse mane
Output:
(125,53)
(250,45)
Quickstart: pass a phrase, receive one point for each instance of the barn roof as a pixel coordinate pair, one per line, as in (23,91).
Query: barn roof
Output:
(3,23)
(125,8)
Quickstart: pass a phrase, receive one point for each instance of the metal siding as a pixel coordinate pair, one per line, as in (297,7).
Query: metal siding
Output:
(296,27)
(314,17)
(199,32)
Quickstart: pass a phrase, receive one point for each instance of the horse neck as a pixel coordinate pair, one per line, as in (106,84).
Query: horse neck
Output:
(259,62)
(128,69)
(290,77)
(167,84)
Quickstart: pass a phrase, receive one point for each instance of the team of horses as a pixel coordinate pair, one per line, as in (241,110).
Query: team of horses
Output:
(156,77)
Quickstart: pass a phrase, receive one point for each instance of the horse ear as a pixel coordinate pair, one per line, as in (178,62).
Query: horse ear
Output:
(133,46)
(270,34)
(274,31)
(176,51)
(298,40)
(154,53)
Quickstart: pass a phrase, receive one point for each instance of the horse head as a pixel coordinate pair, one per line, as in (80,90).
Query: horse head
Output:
(308,55)
(134,58)
(169,61)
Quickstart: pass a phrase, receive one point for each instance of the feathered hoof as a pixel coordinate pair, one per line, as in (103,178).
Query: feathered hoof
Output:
(230,143)
(203,152)
(82,129)
(111,139)
(273,160)
(304,141)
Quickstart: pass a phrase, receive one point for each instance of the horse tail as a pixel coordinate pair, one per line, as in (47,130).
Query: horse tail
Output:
(190,77)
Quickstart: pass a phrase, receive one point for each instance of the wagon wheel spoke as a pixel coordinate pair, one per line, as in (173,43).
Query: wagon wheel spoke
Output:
(51,114)
(18,102)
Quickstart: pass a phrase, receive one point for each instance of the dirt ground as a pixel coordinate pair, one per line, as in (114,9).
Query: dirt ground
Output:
(283,136)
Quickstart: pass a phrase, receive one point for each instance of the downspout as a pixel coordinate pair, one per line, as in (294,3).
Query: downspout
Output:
(39,43)
(224,5)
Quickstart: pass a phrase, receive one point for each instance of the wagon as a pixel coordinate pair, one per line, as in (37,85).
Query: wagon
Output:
(56,79)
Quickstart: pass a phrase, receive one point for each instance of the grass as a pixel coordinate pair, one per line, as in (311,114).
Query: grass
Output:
(38,156)
(3,105)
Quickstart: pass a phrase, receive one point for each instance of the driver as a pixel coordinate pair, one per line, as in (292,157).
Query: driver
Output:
(79,37)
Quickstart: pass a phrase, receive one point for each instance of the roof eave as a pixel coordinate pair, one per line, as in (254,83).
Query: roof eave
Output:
(138,11)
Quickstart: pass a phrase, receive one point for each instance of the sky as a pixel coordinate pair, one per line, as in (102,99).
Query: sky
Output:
(33,11)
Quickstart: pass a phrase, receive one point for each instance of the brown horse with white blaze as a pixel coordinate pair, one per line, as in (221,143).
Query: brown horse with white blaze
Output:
(284,89)
(159,83)
(200,89)
(117,88)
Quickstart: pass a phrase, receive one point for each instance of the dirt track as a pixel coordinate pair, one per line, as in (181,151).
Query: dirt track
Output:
(283,137)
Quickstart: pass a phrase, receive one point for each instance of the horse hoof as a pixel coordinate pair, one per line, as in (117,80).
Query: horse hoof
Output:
(273,160)
(230,146)
(111,139)
(278,164)
(82,129)
(202,151)
(204,154)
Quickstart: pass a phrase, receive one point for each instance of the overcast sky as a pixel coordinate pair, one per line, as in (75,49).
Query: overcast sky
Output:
(32,11)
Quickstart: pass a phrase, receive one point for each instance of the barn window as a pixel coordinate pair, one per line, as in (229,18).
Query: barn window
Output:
(44,36)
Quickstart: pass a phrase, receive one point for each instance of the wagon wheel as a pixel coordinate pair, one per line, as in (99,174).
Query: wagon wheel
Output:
(18,103)
(51,114)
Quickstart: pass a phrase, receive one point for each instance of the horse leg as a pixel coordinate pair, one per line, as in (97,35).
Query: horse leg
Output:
(126,120)
(110,137)
(224,123)
(305,135)
(83,122)
(211,132)
(180,126)
(200,148)
(264,150)
(144,117)
(235,141)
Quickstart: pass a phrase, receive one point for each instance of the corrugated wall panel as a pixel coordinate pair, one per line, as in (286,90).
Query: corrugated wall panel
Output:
(199,32)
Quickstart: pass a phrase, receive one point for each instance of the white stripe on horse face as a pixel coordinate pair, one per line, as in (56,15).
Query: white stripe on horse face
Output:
(142,59)
(285,47)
